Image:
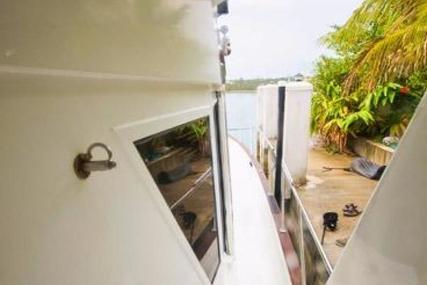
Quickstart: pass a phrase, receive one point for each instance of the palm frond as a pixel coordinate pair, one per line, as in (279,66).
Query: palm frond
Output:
(399,51)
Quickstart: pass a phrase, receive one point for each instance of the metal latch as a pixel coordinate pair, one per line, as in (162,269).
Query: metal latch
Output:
(84,165)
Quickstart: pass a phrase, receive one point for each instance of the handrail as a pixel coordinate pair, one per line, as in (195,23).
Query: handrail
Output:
(306,217)
(312,231)
(196,185)
(241,129)
(289,181)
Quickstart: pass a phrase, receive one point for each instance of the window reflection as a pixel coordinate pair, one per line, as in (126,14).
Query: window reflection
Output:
(180,163)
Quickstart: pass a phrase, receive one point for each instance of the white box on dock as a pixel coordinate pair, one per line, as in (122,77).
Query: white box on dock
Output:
(267,110)
(296,128)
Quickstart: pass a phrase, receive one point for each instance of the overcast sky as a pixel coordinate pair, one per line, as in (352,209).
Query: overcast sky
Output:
(274,38)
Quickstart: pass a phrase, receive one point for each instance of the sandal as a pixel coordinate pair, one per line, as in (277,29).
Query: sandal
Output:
(350,210)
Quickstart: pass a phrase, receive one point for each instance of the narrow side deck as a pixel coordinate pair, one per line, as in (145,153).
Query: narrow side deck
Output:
(257,257)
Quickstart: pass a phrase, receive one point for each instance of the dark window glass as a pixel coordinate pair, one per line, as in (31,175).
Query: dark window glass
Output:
(180,162)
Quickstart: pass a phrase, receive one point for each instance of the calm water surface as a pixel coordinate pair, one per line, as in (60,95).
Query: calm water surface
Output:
(241,117)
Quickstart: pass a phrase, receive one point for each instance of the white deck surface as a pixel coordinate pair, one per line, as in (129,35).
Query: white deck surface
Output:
(257,257)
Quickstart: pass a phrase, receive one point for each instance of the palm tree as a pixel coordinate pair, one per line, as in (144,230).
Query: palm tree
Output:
(396,51)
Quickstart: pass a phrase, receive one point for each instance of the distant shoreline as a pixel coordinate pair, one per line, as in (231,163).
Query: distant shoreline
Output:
(241,91)
(246,85)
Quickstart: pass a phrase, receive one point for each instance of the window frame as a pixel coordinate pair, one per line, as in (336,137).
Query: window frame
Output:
(134,131)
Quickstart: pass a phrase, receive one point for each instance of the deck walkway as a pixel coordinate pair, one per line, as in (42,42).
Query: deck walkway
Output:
(258,257)
(330,191)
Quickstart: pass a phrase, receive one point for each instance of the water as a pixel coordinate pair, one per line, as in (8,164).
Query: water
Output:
(241,117)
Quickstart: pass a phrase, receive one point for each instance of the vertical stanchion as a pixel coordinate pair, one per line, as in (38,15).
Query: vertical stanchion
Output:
(279,148)
(283,205)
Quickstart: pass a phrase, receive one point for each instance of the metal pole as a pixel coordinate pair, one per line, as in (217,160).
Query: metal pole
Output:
(279,147)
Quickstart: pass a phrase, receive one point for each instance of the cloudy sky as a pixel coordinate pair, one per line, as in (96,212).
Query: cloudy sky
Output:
(273,38)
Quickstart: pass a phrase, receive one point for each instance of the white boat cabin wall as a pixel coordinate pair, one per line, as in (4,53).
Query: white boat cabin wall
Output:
(126,74)
(78,72)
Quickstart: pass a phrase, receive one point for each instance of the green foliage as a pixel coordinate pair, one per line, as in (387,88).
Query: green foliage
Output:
(199,129)
(391,41)
(335,116)
(385,111)
(374,82)
(392,109)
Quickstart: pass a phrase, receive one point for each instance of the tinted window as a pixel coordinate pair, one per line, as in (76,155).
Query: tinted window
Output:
(180,162)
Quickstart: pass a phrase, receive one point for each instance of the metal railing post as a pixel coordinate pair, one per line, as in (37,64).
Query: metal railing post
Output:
(281,117)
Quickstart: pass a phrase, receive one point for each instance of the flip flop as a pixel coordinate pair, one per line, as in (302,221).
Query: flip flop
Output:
(350,210)
(349,206)
(354,213)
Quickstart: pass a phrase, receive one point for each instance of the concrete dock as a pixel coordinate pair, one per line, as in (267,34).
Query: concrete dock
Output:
(329,191)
